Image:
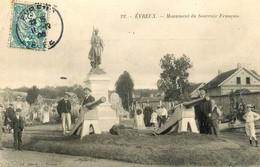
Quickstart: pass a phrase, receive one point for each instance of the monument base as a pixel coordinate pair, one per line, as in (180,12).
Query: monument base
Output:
(106,115)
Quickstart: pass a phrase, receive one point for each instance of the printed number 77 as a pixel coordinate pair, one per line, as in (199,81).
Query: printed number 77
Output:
(122,16)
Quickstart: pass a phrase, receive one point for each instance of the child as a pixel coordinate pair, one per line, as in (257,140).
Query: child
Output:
(214,118)
(250,117)
(18,126)
(153,120)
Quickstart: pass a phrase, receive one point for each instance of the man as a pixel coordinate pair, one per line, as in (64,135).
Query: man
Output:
(90,123)
(64,108)
(88,97)
(18,126)
(1,126)
(250,118)
(214,118)
(202,111)
(148,110)
(10,114)
(164,115)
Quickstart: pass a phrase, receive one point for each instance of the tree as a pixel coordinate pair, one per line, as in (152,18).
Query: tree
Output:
(124,87)
(32,95)
(79,91)
(174,78)
(22,89)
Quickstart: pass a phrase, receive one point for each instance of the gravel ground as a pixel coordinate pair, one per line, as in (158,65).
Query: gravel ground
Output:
(11,158)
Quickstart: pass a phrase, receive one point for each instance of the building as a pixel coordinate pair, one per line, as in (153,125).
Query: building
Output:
(153,101)
(239,79)
(194,89)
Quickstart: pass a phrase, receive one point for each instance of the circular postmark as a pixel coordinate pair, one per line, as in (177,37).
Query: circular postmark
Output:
(35,27)
(53,39)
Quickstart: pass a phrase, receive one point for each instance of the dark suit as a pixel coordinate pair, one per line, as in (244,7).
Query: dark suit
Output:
(10,114)
(18,126)
(148,110)
(88,99)
(64,106)
(202,111)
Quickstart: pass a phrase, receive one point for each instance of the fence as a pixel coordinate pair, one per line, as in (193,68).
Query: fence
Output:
(248,98)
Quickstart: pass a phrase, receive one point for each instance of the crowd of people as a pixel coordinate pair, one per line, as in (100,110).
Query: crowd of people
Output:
(149,117)
(207,115)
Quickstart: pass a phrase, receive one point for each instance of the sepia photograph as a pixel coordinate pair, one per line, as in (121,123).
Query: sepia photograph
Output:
(129,83)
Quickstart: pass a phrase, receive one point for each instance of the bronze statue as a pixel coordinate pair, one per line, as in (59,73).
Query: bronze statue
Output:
(95,52)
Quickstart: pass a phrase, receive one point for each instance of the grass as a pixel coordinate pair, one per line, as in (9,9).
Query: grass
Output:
(140,147)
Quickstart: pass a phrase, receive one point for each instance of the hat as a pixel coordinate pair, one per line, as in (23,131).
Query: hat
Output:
(203,89)
(10,104)
(158,106)
(18,110)
(67,93)
(138,111)
(249,106)
(86,88)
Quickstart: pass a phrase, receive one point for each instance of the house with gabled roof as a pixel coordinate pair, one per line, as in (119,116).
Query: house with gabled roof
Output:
(234,80)
(193,89)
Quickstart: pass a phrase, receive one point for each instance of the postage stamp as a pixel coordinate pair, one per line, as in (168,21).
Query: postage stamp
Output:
(30,25)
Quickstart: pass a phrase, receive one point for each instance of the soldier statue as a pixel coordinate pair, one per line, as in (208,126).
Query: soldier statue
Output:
(95,52)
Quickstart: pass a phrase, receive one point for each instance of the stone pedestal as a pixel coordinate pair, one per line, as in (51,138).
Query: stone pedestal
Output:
(106,115)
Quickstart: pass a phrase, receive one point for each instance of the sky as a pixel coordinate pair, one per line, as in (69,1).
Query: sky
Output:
(134,44)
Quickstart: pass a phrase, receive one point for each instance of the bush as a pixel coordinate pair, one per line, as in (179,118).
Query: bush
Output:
(55,118)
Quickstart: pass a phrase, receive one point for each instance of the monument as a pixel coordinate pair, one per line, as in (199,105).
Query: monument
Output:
(98,81)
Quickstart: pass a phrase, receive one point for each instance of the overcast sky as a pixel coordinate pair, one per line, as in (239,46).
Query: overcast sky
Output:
(136,45)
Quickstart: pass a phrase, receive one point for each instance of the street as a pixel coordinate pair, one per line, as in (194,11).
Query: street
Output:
(12,158)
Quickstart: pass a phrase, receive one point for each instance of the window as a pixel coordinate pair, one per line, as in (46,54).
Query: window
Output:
(247,80)
(238,80)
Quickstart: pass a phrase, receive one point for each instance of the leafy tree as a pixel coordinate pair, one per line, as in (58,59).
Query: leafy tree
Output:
(79,91)
(22,89)
(32,95)
(147,92)
(174,78)
(124,87)
(48,92)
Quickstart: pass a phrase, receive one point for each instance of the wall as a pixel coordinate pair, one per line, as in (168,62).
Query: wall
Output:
(196,92)
(242,74)
(214,92)
(231,84)
(248,98)
(227,89)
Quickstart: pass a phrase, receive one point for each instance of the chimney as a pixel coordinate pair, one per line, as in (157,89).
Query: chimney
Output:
(219,72)
(239,65)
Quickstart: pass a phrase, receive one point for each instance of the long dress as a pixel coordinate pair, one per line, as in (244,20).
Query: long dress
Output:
(95,51)
(139,120)
(46,117)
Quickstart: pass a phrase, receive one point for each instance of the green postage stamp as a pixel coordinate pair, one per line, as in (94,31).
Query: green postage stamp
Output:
(29,26)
